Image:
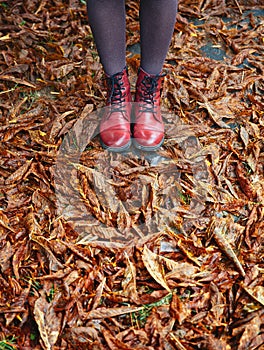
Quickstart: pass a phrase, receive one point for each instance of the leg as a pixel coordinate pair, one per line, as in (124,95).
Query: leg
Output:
(107,19)
(157,20)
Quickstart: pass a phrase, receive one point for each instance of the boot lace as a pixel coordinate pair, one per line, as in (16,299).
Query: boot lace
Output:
(116,98)
(148,93)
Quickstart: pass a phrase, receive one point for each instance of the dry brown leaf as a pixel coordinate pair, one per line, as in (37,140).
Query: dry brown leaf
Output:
(182,269)
(48,321)
(177,342)
(105,312)
(217,230)
(17,80)
(98,295)
(189,254)
(152,263)
(242,55)
(54,263)
(178,309)
(82,335)
(6,253)
(245,183)
(256,293)
(19,174)
(129,282)
(244,136)
(4,221)
(214,114)
(18,257)
(114,343)
(51,93)
(250,333)
(62,71)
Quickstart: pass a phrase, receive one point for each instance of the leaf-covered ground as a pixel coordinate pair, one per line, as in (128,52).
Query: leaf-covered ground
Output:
(168,253)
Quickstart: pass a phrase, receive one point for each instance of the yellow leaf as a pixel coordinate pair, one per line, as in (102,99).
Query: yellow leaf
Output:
(5,37)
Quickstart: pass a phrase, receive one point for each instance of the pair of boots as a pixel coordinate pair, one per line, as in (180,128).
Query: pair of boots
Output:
(145,118)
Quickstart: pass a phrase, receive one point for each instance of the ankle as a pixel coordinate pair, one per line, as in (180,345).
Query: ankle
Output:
(150,72)
(116,72)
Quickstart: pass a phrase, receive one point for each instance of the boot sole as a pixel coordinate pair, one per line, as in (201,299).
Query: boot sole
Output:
(117,149)
(147,148)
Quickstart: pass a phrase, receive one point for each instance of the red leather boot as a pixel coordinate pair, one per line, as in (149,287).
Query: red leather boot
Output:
(148,129)
(115,122)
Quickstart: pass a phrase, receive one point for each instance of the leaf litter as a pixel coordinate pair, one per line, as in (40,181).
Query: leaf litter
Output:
(190,275)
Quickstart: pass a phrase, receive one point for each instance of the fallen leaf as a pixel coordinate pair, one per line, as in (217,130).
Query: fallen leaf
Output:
(250,333)
(19,174)
(17,80)
(105,312)
(48,321)
(153,265)
(217,230)
(244,136)
(256,293)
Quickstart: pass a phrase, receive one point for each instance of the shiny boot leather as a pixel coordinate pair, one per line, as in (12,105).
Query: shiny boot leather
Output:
(115,122)
(148,129)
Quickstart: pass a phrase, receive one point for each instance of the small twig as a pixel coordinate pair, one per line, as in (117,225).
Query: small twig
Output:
(239,8)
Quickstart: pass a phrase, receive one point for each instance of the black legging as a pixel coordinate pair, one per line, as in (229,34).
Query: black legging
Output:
(108,23)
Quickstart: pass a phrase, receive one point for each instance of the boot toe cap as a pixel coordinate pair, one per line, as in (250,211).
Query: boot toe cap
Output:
(115,139)
(148,139)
